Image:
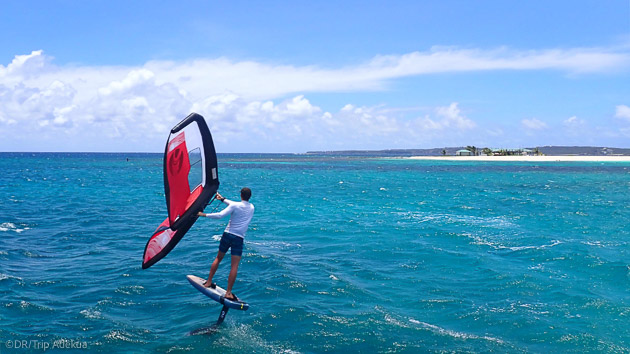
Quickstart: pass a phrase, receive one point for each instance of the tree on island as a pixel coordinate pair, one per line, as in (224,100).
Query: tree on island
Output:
(487,151)
(472,149)
(443,152)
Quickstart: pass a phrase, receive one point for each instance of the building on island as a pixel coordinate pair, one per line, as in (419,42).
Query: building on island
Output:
(463,153)
(512,152)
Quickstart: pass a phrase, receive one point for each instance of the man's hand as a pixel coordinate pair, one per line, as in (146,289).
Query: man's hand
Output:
(220,197)
(201,214)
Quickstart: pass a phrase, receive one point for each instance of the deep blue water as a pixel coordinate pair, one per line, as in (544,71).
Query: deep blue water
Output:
(343,254)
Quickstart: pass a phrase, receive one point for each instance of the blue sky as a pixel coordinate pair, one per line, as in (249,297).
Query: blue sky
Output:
(303,75)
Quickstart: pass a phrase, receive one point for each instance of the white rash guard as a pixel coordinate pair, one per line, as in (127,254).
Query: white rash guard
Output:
(242,213)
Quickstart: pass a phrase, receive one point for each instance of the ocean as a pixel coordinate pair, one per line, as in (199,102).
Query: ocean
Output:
(343,254)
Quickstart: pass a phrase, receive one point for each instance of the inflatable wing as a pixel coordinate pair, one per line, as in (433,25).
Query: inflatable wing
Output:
(191,179)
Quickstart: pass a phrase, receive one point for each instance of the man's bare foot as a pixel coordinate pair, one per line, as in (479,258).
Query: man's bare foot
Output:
(230,296)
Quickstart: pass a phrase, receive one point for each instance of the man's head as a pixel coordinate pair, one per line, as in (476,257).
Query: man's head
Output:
(246,193)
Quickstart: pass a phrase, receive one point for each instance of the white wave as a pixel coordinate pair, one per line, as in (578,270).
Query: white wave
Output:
(519,248)
(499,222)
(9,226)
(415,324)
(601,244)
(7,276)
(447,332)
(104,302)
(30,254)
(338,319)
(131,290)
(438,300)
(243,338)
(6,226)
(275,244)
(45,282)
(91,313)
(120,336)
(28,305)
(478,240)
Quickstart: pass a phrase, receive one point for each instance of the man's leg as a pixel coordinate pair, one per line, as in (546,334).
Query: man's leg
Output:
(214,267)
(232,278)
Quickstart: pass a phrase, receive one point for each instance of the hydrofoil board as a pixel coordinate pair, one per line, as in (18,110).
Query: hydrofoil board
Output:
(217,294)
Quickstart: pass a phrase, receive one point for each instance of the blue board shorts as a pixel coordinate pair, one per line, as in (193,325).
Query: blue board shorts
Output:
(229,240)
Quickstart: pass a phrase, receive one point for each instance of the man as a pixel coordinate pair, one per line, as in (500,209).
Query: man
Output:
(240,216)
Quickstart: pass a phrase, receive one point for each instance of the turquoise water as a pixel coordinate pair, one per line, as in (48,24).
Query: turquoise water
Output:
(342,255)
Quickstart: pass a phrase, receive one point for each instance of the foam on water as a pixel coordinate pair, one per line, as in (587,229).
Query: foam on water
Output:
(442,331)
(9,226)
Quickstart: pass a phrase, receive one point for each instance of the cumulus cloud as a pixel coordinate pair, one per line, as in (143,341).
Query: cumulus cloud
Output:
(203,77)
(448,117)
(534,124)
(137,104)
(25,66)
(453,118)
(281,126)
(294,121)
(574,126)
(622,112)
(573,121)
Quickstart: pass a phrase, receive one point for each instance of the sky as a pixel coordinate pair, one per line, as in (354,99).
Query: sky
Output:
(280,76)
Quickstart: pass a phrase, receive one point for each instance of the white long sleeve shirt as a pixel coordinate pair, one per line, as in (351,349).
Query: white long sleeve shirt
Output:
(241,215)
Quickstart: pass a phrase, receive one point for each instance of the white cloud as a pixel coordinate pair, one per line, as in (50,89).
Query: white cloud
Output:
(573,121)
(201,78)
(533,124)
(575,126)
(136,104)
(623,112)
(25,66)
(283,126)
(495,132)
(452,59)
(448,117)
(453,118)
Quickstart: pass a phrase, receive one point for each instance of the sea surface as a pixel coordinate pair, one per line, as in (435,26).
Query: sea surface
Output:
(343,255)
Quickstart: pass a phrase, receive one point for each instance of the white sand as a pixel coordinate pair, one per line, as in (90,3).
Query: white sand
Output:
(527,158)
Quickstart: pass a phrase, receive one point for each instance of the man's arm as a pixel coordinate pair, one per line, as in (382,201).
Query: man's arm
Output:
(223,213)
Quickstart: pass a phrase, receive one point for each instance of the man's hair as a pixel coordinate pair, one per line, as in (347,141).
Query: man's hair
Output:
(246,193)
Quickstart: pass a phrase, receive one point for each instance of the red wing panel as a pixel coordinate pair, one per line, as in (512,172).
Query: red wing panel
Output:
(178,167)
(160,239)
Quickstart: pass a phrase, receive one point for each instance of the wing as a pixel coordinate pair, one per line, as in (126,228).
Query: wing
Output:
(191,178)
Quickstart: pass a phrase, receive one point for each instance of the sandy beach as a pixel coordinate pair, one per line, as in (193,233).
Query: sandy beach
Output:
(527,158)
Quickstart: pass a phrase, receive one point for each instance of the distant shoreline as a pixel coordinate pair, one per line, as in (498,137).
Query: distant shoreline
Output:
(547,150)
(516,158)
